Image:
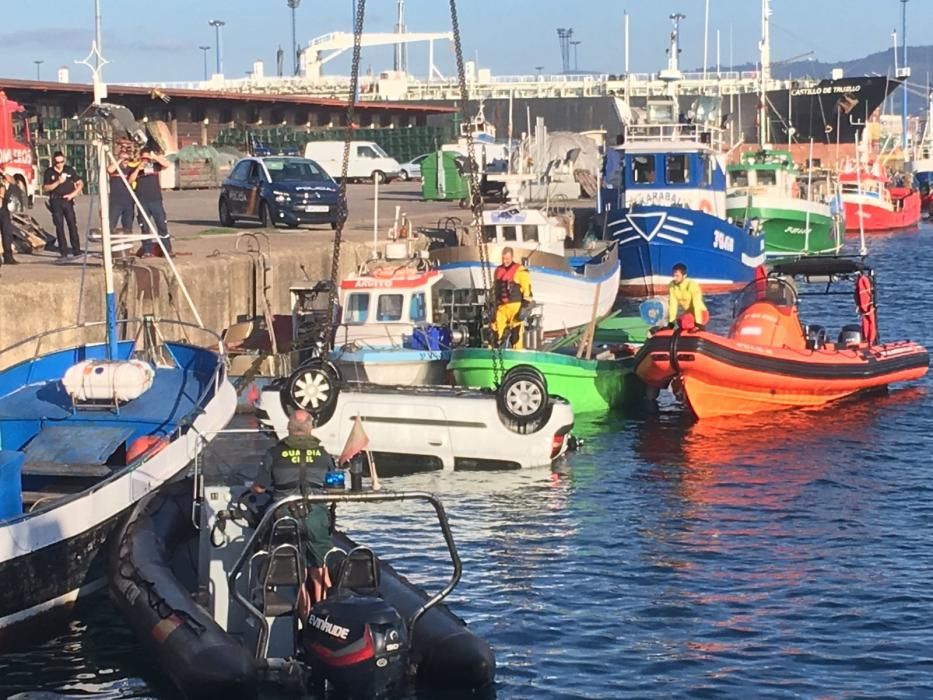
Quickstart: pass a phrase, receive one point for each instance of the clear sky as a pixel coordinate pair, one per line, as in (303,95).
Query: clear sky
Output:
(508,36)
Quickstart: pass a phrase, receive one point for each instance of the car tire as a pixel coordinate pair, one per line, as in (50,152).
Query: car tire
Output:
(265,215)
(223,210)
(522,396)
(314,387)
(292,226)
(378,176)
(404,176)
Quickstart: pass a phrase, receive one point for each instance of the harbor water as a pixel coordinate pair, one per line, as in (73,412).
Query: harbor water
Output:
(786,555)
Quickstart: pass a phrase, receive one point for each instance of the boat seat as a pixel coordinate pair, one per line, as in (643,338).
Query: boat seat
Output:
(359,572)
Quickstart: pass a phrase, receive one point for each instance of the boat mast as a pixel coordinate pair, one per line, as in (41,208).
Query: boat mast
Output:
(765,73)
(906,72)
(100,94)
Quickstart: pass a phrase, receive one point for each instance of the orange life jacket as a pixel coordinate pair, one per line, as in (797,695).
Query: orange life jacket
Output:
(506,289)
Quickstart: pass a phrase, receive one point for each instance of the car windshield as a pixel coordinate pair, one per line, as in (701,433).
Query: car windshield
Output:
(295,170)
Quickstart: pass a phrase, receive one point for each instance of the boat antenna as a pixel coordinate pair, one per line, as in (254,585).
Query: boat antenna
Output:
(100,144)
(764,73)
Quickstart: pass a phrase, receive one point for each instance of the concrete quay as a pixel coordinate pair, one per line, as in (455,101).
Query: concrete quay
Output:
(39,295)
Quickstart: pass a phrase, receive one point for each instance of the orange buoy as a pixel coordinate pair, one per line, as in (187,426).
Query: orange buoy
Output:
(147,444)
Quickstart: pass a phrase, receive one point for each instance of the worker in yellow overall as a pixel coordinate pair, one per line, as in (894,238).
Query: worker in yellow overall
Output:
(512,288)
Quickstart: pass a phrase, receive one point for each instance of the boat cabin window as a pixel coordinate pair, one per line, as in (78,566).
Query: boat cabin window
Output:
(766,178)
(776,290)
(489,232)
(709,169)
(389,308)
(509,233)
(739,178)
(643,171)
(677,171)
(357,308)
(417,309)
(529,233)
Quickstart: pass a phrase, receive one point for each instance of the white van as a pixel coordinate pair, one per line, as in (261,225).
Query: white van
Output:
(367,160)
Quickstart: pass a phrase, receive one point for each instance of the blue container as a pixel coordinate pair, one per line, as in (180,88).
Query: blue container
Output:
(430,338)
(11,484)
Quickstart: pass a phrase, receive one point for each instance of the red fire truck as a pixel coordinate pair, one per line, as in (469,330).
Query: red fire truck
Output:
(17,158)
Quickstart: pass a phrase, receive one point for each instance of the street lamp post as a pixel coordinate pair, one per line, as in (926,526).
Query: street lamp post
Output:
(205,49)
(217,24)
(906,72)
(576,65)
(38,63)
(293,4)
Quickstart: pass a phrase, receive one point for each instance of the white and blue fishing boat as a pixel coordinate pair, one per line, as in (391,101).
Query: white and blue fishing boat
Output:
(669,208)
(569,290)
(108,413)
(664,197)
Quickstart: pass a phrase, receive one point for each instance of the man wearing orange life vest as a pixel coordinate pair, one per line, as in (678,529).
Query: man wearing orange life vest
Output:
(686,294)
(512,288)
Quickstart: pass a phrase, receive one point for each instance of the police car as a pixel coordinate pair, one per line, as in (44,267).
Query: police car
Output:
(276,190)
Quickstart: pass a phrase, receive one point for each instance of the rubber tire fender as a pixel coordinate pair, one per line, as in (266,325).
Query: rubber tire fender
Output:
(528,379)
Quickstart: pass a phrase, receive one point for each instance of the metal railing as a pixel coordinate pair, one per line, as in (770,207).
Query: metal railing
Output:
(262,647)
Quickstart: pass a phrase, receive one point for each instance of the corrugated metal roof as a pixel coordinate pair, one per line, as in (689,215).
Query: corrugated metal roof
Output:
(117,90)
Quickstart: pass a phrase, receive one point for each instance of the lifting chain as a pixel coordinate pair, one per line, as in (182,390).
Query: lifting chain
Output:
(342,207)
(476,197)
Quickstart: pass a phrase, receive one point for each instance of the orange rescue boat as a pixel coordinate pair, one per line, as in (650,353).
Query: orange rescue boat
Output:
(770,360)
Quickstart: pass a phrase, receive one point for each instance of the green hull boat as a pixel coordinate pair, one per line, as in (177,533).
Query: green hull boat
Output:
(589,385)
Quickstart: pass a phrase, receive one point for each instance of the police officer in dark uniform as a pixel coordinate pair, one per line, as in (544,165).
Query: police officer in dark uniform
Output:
(62,184)
(6,221)
(297,465)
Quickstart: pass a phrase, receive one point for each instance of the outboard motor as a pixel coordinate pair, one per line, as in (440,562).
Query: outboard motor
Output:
(354,639)
(850,336)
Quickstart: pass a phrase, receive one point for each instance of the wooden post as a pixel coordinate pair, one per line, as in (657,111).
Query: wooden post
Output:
(586,342)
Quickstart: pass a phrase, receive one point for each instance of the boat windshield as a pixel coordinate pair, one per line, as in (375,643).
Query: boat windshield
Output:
(779,291)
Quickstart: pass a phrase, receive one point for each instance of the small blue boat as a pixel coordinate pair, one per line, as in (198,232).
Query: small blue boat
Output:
(664,202)
(92,419)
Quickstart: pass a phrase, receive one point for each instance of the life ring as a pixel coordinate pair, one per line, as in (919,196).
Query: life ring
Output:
(150,444)
(706,206)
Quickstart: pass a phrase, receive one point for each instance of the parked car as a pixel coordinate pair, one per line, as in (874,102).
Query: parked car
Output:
(367,160)
(412,169)
(278,190)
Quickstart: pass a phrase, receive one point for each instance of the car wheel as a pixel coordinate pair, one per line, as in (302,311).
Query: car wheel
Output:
(294,225)
(224,210)
(379,176)
(265,216)
(404,175)
(522,396)
(314,387)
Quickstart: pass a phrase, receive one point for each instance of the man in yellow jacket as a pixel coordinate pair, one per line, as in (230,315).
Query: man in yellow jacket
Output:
(512,289)
(685,294)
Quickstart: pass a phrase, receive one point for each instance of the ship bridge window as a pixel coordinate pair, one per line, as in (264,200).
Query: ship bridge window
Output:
(677,169)
(643,171)
(509,233)
(738,178)
(417,310)
(529,233)
(357,309)
(489,232)
(389,308)
(767,178)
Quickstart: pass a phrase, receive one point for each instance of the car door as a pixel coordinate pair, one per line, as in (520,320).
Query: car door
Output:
(234,187)
(253,190)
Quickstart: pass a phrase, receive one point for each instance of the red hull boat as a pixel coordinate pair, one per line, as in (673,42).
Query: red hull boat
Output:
(770,361)
(880,206)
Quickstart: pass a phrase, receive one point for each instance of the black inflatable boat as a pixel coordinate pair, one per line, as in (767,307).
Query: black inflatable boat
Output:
(209,582)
